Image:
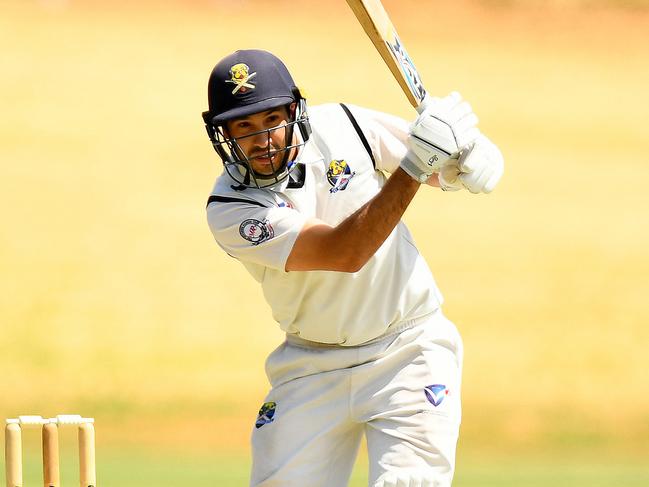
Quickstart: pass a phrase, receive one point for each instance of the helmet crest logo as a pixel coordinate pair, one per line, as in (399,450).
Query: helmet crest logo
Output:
(240,76)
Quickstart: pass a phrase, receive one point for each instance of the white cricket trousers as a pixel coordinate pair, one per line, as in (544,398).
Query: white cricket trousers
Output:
(402,391)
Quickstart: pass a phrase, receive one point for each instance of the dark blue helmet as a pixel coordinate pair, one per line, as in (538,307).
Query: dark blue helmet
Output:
(244,83)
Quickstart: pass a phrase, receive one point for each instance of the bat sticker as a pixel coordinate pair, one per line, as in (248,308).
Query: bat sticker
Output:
(407,67)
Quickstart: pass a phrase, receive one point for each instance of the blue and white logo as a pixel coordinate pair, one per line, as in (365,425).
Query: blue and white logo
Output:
(266,414)
(436,393)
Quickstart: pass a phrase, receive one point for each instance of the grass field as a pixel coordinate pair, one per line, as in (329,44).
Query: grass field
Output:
(136,468)
(116,303)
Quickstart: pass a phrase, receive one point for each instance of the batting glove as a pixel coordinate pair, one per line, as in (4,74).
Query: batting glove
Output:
(481,167)
(444,127)
(449,176)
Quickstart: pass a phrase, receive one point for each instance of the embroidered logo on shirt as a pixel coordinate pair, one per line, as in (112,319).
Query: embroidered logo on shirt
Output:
(338,175)
(266,414)
(436,393)
(256,231)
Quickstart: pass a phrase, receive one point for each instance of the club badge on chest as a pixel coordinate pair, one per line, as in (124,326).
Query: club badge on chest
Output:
(339,174)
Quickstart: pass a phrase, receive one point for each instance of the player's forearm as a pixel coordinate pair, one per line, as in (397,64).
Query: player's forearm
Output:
(364,231)
(348,246)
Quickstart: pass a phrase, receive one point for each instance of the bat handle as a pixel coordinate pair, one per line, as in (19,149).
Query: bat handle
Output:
(424,104)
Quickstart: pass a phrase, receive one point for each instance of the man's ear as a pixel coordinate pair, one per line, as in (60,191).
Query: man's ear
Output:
(292,108)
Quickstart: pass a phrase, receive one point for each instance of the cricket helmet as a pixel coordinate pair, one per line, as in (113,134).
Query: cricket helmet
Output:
(248,82)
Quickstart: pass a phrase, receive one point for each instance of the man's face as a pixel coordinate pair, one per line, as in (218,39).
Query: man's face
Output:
(256,140)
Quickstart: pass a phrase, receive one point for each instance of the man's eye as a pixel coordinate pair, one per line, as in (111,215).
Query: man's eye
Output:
(273,119)
(243,125)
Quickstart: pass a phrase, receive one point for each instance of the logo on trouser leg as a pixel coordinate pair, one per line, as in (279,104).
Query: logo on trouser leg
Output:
(436,393)
(266,414)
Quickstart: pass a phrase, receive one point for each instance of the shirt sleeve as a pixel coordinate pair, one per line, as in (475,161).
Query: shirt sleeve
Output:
(255,234)
(386,134)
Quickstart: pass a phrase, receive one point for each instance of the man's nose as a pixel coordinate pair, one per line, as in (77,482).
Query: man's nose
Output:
(261,140)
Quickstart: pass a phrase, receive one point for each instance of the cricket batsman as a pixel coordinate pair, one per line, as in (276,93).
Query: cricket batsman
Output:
(311,204)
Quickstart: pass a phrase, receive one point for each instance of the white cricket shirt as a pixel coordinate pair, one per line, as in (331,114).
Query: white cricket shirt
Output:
(259,227)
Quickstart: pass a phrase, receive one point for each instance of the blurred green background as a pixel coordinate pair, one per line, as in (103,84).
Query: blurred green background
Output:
(116,303)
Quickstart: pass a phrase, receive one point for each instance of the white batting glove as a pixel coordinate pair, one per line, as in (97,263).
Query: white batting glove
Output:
(449,177)
(481,167)
(437,135)
(456,112)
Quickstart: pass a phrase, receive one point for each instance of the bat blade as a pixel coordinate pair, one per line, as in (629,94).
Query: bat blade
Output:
(378,27)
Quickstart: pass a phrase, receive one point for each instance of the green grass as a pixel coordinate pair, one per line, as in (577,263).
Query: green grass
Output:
(137,468)
(538,474)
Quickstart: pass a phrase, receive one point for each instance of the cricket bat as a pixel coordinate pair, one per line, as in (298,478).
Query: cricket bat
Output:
(379,28)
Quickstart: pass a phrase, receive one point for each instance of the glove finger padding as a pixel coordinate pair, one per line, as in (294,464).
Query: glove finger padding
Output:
(466,130)
(449,101)
(470,158)
(491,184)
(442,107)
(476,180)
(481,167)
(457,112)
